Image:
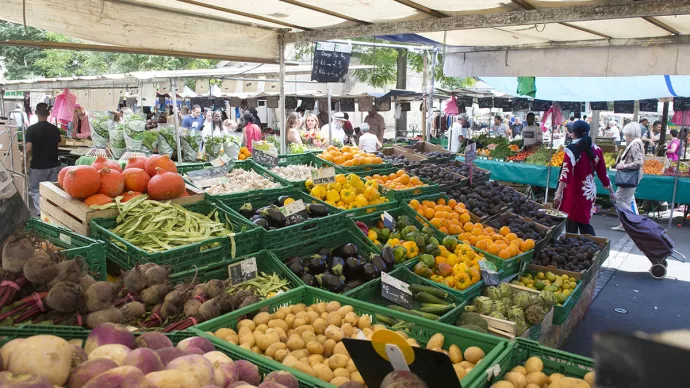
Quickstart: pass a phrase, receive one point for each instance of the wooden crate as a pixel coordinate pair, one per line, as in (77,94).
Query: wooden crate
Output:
(508,329)
(58,208)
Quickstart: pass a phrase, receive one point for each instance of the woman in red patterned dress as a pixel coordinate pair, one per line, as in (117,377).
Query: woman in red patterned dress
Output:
(577,190)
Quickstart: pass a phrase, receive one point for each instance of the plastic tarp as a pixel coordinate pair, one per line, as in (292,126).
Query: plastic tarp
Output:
(599,88)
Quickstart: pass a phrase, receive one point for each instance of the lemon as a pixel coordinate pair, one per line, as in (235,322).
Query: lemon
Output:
(565,277)
(541,275)
(566,292)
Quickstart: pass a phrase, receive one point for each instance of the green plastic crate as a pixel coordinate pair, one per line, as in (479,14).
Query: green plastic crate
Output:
(560,313)
(555,361)
(249,165)
(378,208)
(371,293)
(72,332)
(247,239)
(73,244)
(293,233)
(265,262)
(305,159)
(423,329)
(413,192)
(183,168)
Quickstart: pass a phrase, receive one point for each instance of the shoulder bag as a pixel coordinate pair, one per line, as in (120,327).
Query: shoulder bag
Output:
(627,177)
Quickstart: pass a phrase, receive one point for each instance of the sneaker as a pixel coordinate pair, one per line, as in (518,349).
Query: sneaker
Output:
(618,228)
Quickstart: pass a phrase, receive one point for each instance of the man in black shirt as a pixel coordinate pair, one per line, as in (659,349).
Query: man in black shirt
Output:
(42,141)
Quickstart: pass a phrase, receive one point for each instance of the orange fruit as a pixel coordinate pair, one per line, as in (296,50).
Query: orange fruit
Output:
(443,230)
(452,203)
(429,213)
(464,218)
(493,249)
(440,201)
(436,222)
(477,231)
(400,172)
(504,254)
(489,230)
(504,230)
(530,243)
(464,236)
(416,181)
(414,203)
(511,236)
(512,250)
(474,240)
(468,227)
(454,229)
(482,244)
(392,176)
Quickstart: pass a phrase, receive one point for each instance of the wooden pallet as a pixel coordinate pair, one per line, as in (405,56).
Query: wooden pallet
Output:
(58,208)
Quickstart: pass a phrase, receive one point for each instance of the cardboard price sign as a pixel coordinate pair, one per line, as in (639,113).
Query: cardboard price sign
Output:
(294,212)
(243,271)
(208,177)
(388,221)
(396,290)
(323,176)
(221,161)
(264,158)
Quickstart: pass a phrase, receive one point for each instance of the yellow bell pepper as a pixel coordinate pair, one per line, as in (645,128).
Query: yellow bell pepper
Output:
(412,249)
(318,192)
(372,235)
(462,281)
(333,195)
(449,281)
(335,186)
(394,242)
(361,200)
(347,196)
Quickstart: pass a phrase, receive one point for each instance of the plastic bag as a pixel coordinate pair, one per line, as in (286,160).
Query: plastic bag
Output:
(166,142)
(134,133)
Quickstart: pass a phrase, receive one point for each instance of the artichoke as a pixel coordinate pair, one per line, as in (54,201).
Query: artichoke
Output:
(470,309)
(548,298)
(500,307)
(498,315)
(506,290)
(521,326)
(484,305)
(493,293)
(515,313)
(521,299)
(535,314)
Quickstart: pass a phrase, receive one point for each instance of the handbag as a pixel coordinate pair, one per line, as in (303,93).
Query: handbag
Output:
(627,177)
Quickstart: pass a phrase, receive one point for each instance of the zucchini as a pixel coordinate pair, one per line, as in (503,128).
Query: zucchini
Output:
(433,317)
(437,292)
(438,309)
(425,297)
(386,320)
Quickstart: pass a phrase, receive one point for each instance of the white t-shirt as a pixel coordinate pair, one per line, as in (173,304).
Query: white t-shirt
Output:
(338,133)
(531,134)
(615,133)
(455,131)
(367,142)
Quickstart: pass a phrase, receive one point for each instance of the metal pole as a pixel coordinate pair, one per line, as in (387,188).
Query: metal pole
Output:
(140,100)
(430,110)
(675,180)
(2,102)
(548,171)
(173,85)
(330,124)
(283,133)
(425,79)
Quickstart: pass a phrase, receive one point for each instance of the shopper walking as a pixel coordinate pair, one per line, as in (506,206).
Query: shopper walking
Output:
(673,149)
(631,159)
(576,187)
(42,140)
(19,117)
(251,132)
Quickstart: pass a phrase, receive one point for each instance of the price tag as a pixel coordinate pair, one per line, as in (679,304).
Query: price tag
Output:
(243,271)
(396,290)
(323,176)
(66,239)
(264,158)
(388,221)
(220,161)
(203,183)
(295,212)
(489,273)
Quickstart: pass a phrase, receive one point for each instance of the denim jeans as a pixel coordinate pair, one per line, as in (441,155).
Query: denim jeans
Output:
(36,176)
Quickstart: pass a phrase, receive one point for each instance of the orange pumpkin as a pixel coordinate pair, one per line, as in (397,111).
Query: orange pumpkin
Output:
(184,194)
(61,176)
(81,181)
(165,185)
(112,182)
(97,199)
(101,162)
(136,179)
(136,162)
(129,195)
(162,161)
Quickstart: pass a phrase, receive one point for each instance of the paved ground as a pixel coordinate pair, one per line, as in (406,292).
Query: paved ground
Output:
(651,305)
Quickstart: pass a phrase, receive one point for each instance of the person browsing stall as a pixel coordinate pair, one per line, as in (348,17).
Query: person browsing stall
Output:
(631,159)
(531,134)
(251,132)
(42,140)
(377,125)
(337,128)
(368,142)
(195,120)
(457,134)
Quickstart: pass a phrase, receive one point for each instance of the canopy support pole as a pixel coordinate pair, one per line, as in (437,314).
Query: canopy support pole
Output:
(430,110)
(140,101)
(283,133)
(2,102)
(425,79)
(330,122)
(675,180)
(664,126)
(173,85)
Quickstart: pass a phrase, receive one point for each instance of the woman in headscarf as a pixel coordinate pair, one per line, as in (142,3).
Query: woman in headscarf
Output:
(577,190)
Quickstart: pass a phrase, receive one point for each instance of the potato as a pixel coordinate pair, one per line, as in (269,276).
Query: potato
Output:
(340,349)
(338,381)
(262,327)
(315,348)
(459,371)
(246,345)
(290,319)
(343,311)
(323,372)
(534,364)
(301,329)
(280,354)
(299,322)
(520,369)
(257,334)
(335,333)
(256,350)
(367,331)
(338,361)
(295,343)
(347,329)
(351,366)
(315,358)
(285,310)
(303,315)
(235,339)
(333,306)
(355,376)
(334,319)
(304,360)
(412,342)
(351,318)
(302,367)
(502,384)
(262,317)
(281,333)
(321,338)
(455,354)
(436,341)
(247,338)
(320,307)
(516,378)
(319,326)
(364,322)
(308,336)
(300,353)
(313,315)
(569,382)
(224,332)
(341,372)
(246,322)
(437,350)
(273,323)
(378,327)
(473,354)
(328,347)
(532,386)
(590,378)
(266,340)
(466,364)
(289,358)
(324,315)
(554,377)
(271,350)
(537,378)
(301,307)
(279,315)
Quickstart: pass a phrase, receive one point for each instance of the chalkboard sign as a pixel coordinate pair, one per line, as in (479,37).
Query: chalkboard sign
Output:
(681,103)
(404,106)
(541,105)
(331,62)
(465,101)
(383,104)
(624,106)
(308,103)
(290,102)
(504,103)
(347,105)
(599,105)
(396,290)
(243,271)
(569,106)
(520,104)
(264,158)
(487,102)
(650,105)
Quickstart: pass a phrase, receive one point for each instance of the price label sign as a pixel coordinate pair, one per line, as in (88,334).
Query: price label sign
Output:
(294,212)
(388,221)
(323,176)
(220,161)
(243,271)
(264,158)
(396,290)
(65,238)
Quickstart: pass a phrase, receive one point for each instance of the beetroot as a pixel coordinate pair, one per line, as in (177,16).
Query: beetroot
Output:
(197,342)
(248,372)
(402,379)
(282,377)
(21,380)
(147,360)
(120,377)
(100,296)
(168,310)
(65,297)
(88,370)
(110,314)
(191,309)
(67,271)
(168,354)
(209,309)
(134,280)
(215,288)
(153,341)
(39,269)
(156,275)
(132,311)
(154,294)
(86,280)
(175,297)
(109,333)
(15,253)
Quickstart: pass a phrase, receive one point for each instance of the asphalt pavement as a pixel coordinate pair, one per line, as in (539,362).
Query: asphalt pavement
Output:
(647,304)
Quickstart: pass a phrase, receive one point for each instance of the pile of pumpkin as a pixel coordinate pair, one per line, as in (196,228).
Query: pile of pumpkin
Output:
(104,179)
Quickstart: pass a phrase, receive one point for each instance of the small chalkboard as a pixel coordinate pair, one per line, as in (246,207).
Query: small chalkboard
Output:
(627,106)
(396,290)
(465,101)
(264,158)
(504,103)
(383,104)
(487,102)
(291,102)
(541,105)
(323,176)
(242,271)
(681,103)
(347,104)
(308,103)
(570,106)
(520,104)
(650,105)
(404,106)
(331,62)
(599,105)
